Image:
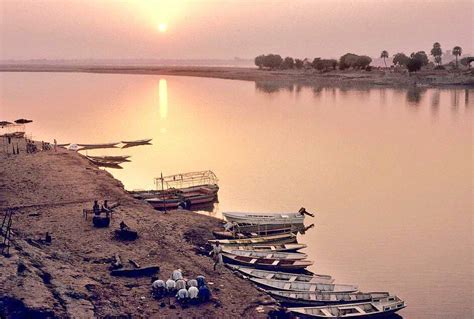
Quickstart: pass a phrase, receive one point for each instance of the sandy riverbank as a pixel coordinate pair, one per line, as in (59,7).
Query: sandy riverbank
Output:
(274,79)
(70,277)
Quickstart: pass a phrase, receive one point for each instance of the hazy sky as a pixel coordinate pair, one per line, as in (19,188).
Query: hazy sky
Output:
(225,29)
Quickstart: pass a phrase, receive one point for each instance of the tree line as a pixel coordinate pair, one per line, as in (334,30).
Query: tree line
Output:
(413,63)
(349,60)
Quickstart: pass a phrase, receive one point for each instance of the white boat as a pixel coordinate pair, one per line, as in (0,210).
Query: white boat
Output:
(266,218)
(302,286)
(280,239)
(282,276)
(281,247)
(269,263)
(313,298)
(265,254)
(377,308)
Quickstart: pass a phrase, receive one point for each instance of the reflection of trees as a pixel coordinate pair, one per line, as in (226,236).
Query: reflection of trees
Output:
(273,87)
(435,100)
(414,95)
(466,98)
(455,98)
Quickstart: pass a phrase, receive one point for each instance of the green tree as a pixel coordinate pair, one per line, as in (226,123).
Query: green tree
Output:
(288,63)
(298,63)
(400,59)
(414,64)
(421,56)
(259,61)
(437,52)
(384,55)
(457,51)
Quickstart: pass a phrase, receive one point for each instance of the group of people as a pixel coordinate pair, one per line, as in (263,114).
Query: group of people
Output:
(192,291)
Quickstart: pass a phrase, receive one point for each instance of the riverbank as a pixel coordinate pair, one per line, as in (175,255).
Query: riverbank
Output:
(277,78)
(70,277)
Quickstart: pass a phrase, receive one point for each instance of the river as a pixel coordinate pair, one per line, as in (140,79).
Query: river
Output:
(388,172)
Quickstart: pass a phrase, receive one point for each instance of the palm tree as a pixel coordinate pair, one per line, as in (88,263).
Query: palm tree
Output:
(437,52)
(457,51)
(384,55)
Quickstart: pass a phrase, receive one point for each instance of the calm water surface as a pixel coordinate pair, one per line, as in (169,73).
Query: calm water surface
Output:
(388,172)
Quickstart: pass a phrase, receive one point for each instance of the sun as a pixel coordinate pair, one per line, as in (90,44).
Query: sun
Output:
(162,27)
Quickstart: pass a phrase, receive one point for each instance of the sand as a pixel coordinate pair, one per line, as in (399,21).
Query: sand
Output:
(70,277)
(272,80)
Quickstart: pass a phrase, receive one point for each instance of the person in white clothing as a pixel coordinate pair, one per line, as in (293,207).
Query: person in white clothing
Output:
(193,292)
(217,255)
(182,296)
(180,284)
(192,283)
(177,274)
(158,288)
(170,286)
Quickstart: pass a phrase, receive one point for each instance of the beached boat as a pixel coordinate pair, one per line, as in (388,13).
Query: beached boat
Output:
(372,309)
(182,199)
(102,163)
(265,254)
(302,286)
(268,263)
(305,298)
(115,159)
(103,145)
(143,141)
(263,229)
(282,276)
(281,247)
(275,239)
(136,272)
(267,218)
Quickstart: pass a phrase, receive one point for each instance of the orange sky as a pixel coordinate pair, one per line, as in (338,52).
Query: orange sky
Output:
(70,29)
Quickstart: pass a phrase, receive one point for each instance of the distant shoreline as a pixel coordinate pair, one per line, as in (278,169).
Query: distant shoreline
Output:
(352,78)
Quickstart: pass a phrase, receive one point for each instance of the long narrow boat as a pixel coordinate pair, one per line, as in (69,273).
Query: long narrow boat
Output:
(187,200)
(102,145)
(280,248)
(302,286)
(143,141)
(118,158)
(265,254)
(105,163)
(373,309)
(264,218)
(268,263)
(305,298)
(282,276)
(280,239)
(264,229)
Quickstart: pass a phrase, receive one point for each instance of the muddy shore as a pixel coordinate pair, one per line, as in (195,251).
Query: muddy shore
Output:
(274,79)
(70,278)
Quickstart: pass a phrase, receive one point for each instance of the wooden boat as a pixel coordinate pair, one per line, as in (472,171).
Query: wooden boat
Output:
(313,298)
(268,263)
(265,254)
(280,239)
(379,307)
(143,141)
(281,247)
(103,145)
(180,199)
(282,276)
(146,194)
(267,218)
(108,164)
(63,144)
(23,121)
(264,229)
(136,272)
(118,158)
(302,286)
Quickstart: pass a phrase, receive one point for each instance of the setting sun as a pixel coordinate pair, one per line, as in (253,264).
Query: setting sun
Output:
(162,27)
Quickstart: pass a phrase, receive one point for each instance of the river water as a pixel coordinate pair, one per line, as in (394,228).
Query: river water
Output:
(388,172)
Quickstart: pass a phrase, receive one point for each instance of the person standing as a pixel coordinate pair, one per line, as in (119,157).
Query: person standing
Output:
(55,145)
(217,255)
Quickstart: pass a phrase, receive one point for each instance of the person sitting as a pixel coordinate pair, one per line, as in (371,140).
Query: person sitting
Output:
(158,288)
(182,296)
(201,280)
(180,284)
(170,287)
(204,293)
(177,274)
(123,226)
(192,283)
(193,294)
(96,208)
